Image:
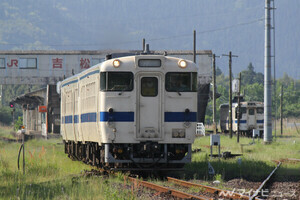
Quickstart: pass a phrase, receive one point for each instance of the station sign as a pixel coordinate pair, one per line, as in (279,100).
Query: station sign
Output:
(42,109)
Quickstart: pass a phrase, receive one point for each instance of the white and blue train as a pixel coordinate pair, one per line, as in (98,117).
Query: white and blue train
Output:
(252,117)
(131,112)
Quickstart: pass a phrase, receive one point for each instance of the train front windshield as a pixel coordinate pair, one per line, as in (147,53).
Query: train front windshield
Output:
(243,111)
(181,82)
(116,81)
(260,110)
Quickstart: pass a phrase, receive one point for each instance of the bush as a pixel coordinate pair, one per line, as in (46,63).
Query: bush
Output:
(19,123)
(5,115)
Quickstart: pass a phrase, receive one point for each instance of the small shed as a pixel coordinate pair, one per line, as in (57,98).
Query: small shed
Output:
(41,110)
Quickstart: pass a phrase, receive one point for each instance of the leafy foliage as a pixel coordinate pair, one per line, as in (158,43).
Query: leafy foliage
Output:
(249,76)
(252,88)
(9,93)
(254,92)
(291,96)
(18,123)
(5,115)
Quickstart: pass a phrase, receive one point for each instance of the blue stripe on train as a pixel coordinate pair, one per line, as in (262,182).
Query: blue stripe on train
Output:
(88,74)
(88,117)
(76,119)
(245,121)
(68,83)
(68,119)
(84,76)
(117,116)
(128,117)
(104,117)
(180,117)
(241,121)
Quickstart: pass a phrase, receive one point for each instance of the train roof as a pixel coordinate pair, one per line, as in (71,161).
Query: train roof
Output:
(224,105)
(96,68)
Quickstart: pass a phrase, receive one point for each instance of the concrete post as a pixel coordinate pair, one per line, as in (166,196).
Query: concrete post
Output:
(267,78)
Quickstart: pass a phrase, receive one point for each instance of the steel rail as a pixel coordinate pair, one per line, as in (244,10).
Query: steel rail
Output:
(293,159)
(162,189)
(265,181)
(220,192)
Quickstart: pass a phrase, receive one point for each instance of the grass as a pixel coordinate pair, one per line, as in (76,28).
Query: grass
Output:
(5,132)
(50,174)
(257,160)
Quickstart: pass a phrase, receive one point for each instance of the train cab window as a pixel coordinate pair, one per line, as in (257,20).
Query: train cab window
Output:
(116,81)
(243,110)
(259,110)
(149,86)
(251,111)
(181,81)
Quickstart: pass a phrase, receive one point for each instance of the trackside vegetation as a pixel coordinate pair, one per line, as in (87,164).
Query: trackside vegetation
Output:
(50,174)
(252,87)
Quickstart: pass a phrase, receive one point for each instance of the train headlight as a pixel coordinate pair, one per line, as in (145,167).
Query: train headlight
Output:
(116,63)
(178,133)
(182,63)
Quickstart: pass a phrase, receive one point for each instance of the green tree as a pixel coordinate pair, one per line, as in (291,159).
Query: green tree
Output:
(9,93)
(218,71)
(253,84)
(6,115)
(248,75)
(291,96)
(254,92)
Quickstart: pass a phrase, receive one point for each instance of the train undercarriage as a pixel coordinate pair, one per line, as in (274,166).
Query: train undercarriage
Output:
(246,133)
(140,156)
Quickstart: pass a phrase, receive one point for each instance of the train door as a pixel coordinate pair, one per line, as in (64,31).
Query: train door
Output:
(251,118)
(149,106)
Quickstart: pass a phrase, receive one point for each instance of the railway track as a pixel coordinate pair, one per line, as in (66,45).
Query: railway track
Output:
(212,190)
(267,180)
(167,191)
(204,192)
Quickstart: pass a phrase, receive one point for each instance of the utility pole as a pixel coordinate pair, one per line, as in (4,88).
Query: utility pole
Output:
(275,93)
(267,77)
(194,52)
(1,96)
(239,109)
(230,92)
(281,103)
(144,43)
(214,94)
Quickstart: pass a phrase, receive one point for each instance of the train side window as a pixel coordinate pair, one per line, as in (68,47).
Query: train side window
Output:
(259,110)
(181,81)
(116,81)
(251,111)
(149,86)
